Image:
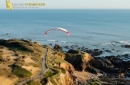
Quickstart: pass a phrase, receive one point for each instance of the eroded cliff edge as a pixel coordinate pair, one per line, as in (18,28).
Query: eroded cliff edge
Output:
(21,62)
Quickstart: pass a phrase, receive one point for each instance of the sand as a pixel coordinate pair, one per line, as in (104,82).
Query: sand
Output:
(7,81)
(10,58)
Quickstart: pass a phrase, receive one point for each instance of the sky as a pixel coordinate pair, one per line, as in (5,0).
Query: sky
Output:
(76,4)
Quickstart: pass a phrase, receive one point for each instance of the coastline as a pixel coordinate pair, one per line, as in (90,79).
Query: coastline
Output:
(107,70)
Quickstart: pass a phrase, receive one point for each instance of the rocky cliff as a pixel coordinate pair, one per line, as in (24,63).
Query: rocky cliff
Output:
(80,60)
(63,67)
(60,72)
(21,62)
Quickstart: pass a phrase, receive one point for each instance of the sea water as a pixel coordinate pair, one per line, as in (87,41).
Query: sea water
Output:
(92,28)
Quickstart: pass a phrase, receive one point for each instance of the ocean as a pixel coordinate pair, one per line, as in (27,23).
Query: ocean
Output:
(91,28)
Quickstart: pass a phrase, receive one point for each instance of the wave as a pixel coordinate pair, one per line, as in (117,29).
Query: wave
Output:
(51,40)
(58,41)
(62,41)
(124,42)
(106,34)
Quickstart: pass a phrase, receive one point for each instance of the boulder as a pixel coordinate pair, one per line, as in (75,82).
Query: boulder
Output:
(125,46)
(105,65)
(80,61)
(57,47)
(87,59)
(74,59)
(95,52)
(73,51)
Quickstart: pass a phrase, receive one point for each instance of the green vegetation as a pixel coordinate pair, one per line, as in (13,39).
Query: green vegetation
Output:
(34,83)
(24,47)
(19,51)
(34,64)
(70,55)
(54,59)
(1,57)
(20,72)
(52,81)
(35,54)
(94,82)
(52,75)
(59,60)
(60,54)
(57,66)
(49,73)
(55,78)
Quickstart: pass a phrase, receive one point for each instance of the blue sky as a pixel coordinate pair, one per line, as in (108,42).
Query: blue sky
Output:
(76,4)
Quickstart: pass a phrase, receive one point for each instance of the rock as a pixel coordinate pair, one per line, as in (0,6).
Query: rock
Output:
(108,51)
(73,51)
(62,73)
(108,63)
(67,47)
(95,52)
(57,47)
(60,55)
(105,65)
(3,42)
(92,70)
(87,59)
(74,59)
(98,64)
(67,67)
(50,44)
(61,79)
(79,60)
(126,55)
(125,46)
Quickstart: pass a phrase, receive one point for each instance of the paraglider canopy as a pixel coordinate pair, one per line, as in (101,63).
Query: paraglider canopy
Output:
(62,29)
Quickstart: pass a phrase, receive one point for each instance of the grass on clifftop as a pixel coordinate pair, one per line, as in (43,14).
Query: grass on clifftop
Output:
(50,73)
(21,72)
(59,60)
(34,83)
(24,47)
(94,82)
(1,57)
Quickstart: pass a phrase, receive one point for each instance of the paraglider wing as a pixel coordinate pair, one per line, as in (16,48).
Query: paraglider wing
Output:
(46,32)
(62,29)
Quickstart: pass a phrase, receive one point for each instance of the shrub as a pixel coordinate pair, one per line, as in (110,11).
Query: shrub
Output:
(34,83)
(34,64)
(1,57)
(49,73)
(21,72)
(94,82)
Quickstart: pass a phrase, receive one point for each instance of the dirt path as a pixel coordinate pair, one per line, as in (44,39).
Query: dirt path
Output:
(44,68)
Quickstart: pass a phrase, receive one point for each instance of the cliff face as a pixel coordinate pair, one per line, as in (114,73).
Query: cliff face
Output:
(86,59)
(67,67)
(63,66)
(61,79)
(79,60)
(22,59)
(60,72)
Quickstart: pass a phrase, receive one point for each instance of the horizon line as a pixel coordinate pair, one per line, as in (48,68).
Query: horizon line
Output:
(71,8)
